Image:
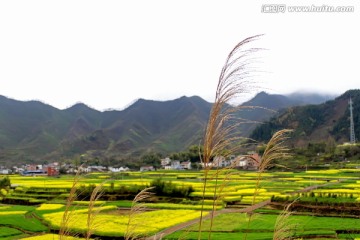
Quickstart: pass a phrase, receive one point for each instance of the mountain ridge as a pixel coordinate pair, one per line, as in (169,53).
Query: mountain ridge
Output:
(33,131)
(328,121)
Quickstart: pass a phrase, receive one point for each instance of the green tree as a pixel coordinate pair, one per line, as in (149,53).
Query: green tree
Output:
(153,159)
(182,156)
(5,182)
(195,152)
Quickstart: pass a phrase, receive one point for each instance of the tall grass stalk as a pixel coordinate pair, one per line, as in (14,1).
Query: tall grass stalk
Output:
(69,212)
(96,194)
(221,131)
(284,229)
(275,150)
(136,207)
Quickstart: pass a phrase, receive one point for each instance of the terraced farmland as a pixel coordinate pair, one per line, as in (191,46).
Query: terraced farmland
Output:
(35,205)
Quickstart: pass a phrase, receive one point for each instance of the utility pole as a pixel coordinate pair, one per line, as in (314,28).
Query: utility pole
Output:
(352,130)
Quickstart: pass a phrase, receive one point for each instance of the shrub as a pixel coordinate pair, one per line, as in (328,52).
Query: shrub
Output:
(162,188)
(5,182)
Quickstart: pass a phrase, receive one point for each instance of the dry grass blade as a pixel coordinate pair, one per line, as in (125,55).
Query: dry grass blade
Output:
(283,227)
(275,150)
(136,208)
(93,211)
(221,131)
(68,215)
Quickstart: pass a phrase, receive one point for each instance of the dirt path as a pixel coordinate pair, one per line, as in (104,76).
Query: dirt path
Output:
(180,226)
(310,188)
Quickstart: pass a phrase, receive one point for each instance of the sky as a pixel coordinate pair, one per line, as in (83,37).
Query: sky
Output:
(107,54)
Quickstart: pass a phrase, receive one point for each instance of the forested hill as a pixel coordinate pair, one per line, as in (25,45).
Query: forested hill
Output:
(36,132)
(265,105)
(329,121)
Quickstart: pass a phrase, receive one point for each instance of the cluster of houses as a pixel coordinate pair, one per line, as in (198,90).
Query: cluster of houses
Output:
(4,170)
(169,164)
(33,169)
(249,162)
(53,169)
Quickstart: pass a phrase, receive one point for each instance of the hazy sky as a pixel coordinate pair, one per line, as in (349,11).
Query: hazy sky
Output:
(108,53)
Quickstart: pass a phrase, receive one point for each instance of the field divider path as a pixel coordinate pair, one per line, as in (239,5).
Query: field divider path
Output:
(310,188)
(181,226)
(248,209)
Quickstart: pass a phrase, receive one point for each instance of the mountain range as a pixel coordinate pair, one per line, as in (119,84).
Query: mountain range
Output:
(327,122)
(32,131)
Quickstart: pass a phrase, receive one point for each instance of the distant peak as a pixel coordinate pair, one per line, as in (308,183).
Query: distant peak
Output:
(262,93)
(80,106)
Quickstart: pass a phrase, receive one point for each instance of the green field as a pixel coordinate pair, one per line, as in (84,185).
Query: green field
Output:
(261,226)
(34,206)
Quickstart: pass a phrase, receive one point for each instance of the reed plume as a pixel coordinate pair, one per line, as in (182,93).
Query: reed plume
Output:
(284,229)
(221,130)
(69,212)
(275,150)
(93,211)
(136,208)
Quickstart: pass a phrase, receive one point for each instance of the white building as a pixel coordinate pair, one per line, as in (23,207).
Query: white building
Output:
(5,171)
(120,169)
(186,165)
(147,168)
(175,164)
(247,162)
(166,161)
(220,161)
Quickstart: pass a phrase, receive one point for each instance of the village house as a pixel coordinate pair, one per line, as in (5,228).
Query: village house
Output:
(120,169)
(221,162)
(169,164)
(33,167)
(165,162)
(16,169)
(186,165)
(52,171)
(147,168)
(248,162)
(175,165)
(95,168)
(168,167)
(5,171)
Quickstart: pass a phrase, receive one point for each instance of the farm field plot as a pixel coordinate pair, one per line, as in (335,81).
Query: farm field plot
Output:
(261,226)
(16,221)
(231,189)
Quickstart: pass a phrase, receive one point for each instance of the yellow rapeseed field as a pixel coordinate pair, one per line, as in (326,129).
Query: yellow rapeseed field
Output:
(111,224)
(49,236)
(48,206)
